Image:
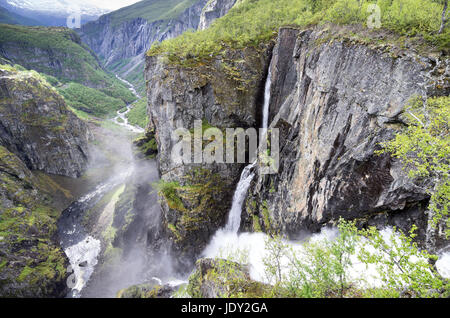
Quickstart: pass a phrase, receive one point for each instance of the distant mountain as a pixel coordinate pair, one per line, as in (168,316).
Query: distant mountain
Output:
(9,17)
(53,12)
(122,37)
(68,64)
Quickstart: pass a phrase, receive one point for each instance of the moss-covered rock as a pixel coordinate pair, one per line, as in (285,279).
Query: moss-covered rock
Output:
(196,208)
(146,146)
(149,290)
(219,278)
(224,91)
(31,262)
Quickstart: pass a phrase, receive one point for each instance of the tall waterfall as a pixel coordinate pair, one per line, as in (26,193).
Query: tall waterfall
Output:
(265,122)
(234,217)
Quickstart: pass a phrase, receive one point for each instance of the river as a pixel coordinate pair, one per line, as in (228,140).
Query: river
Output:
(112,165)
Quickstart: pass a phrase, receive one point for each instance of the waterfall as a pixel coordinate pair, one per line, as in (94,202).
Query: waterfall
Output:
(234,216)
(265,122)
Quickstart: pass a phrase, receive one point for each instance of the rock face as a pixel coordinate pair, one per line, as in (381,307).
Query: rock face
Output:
(31,261)
(197,197)
(334,102)
(36,125)
(213,10)
(37,131)
(334,99)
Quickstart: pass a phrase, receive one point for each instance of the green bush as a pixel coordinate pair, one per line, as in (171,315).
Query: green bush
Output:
(424,148)
(322,268)
(90,100)
(138,114)
(252,22)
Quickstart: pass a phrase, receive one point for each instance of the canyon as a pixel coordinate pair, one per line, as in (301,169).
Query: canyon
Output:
(137,223)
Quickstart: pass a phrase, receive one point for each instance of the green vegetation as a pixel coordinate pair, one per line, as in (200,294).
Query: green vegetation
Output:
(138,114)
(79,62)
(146,146)
(324,268)
(169,191)
(77,66)
(252,22)
(424,148)
(151,10)
(90,100)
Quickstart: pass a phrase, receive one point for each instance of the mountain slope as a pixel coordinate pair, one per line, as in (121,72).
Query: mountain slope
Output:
(59,53)
(14,18)
(53,12)
(37,132)
(121,38)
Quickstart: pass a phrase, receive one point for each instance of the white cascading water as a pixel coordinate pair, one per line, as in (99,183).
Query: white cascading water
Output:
(228,244)
(234,216)
(265,122)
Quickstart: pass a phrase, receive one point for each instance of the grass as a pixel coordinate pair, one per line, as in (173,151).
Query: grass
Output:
(76,63)
(138,114)
(253,22)
(90,101)
(151,10)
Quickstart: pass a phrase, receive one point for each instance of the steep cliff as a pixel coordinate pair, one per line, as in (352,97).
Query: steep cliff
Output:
(37,132)
(32,263)
(335,100)
(36,125)
(334,97)
(224,92)
(67,63)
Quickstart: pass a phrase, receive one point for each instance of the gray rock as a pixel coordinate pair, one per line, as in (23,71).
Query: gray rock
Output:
(220,278)
(335,103)
(37,126)
(177,97)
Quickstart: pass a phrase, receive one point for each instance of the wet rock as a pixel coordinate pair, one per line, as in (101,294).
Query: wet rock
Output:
(196,197)
(83,264)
